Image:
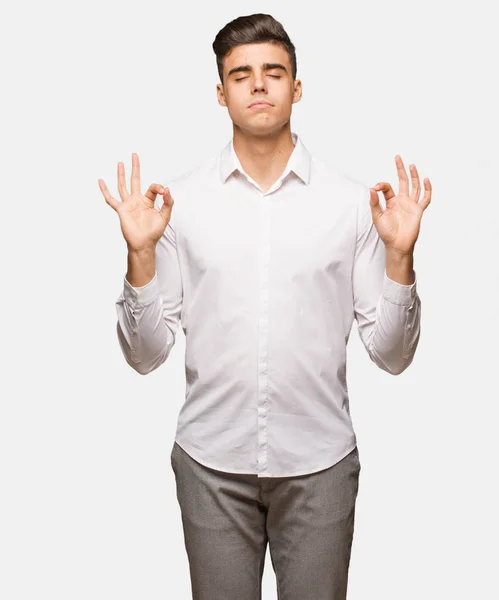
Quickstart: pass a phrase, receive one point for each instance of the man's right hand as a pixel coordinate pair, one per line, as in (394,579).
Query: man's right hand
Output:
(142,224)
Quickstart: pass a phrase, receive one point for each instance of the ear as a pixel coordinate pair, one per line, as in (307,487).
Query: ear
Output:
(297,91)
(221,95)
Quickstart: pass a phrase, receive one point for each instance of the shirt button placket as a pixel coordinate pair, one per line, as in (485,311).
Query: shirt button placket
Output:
(264,247)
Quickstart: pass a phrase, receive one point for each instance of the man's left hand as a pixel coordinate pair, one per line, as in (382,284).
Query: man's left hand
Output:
(398,225)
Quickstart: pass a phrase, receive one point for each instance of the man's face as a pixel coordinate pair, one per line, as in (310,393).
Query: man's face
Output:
(258,82)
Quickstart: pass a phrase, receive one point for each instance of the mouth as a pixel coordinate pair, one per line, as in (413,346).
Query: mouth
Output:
(260,105)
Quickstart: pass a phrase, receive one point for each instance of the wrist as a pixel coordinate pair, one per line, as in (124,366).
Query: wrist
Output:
(400,266)
(147,250)
(141,266)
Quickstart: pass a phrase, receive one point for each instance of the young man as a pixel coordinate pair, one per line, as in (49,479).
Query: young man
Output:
(266,260)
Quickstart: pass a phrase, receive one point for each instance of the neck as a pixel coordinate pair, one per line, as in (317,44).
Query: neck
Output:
(263,157)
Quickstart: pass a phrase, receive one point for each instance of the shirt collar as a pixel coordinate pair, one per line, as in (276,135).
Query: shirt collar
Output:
(299,161)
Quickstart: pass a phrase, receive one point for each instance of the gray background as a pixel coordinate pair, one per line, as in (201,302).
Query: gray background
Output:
(87,495)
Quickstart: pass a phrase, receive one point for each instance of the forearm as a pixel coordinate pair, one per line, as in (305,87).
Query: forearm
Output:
(144,335)
(141,266)
(400,267)
(395,335)
(392,336)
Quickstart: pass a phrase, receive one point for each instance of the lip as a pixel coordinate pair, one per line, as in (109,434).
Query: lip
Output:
(259,104)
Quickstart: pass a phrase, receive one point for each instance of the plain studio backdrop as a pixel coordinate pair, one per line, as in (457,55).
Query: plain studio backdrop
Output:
(88,507)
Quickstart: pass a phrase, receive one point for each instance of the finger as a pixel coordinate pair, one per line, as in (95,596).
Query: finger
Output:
(386,188)
(166,209)
(376,209)
(403,179)
(427,194)
(121,181)
(153,191)
(416,185)
(135,178)
(109,199)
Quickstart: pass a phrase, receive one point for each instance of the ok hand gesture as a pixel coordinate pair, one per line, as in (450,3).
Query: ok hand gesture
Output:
(398,225)
(142,224)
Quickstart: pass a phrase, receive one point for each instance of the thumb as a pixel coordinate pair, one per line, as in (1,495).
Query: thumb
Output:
(376,209)
(167,206)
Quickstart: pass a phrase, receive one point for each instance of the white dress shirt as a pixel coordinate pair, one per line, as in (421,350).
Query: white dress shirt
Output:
(266,286)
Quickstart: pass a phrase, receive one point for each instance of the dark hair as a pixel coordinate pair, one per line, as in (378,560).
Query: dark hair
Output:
(252,29)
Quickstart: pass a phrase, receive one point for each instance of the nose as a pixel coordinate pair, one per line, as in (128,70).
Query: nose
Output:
(259,83)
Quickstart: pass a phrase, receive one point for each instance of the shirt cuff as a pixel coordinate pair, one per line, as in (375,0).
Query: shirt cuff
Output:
(144,294)
(397,292)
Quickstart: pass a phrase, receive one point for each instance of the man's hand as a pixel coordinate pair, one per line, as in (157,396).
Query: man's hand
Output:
(141,223)
(398,225)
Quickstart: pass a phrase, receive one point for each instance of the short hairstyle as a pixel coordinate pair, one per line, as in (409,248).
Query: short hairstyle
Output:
(252,29)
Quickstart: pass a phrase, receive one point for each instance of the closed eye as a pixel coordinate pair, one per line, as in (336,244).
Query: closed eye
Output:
(274,76)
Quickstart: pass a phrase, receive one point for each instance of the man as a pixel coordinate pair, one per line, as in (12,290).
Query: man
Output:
(266,260)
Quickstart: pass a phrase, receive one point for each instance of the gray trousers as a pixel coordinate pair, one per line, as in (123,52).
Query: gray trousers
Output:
(228,519)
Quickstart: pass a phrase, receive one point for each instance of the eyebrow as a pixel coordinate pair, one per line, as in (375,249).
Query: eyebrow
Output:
(265,66)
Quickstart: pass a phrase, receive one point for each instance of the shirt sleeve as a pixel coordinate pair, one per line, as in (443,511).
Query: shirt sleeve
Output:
(148,316)
(388,314)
